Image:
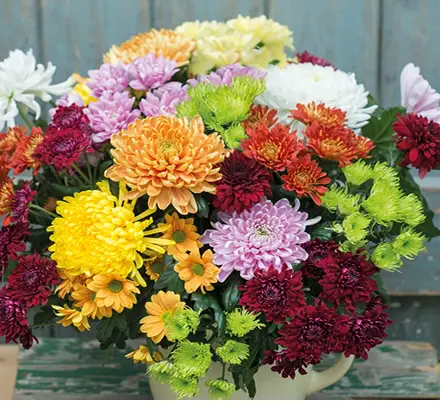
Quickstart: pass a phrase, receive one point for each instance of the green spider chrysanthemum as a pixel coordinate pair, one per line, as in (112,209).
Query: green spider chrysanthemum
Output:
(180,323)
(409,243)
(384,257)
(411,210)
(355,228)
(248,87)
(337,199)
(240,322)
(161,371)
(234,135)
(219,389)
(192,359)
(382,172)
(184,386)
(357,173)
(233,352)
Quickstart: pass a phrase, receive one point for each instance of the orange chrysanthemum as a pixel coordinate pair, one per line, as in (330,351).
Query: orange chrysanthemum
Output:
(143,355)
(6,194)
(85,299)
(318,113)
(274,148)
(70,316)
(306,178)
(165,43)
(23,155)
(69,283)
(260,115)
(10,138)
(168,159)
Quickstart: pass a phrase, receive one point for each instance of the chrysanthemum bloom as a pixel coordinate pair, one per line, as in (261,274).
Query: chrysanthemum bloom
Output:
(183,232)
(197,271)
(23,157)
(275,293)
(165,43)
(19,206)
(306,178)
(71,116)
(109,77)
(32,280)
(338,199)
(164,100)
(419,139)
(225,75)
(182,161)
(85,299)
(143,355)
(153,325)
(275,147)
(347,279)
(92,216)
(192,358)
(11,242)
(6,192)
(233,352)
(244,182)
(281,364)
(113,291)
(10,138)
(320,113)
(367,330)
(154,267)
(71,316)
(219,389)
(110,114)
(260,115)
(13,320)
(385,257)
(68,283)
(319,251)
(268,234)
(240,322)
(306,57)
(417,96)
(409,243)
(27,339)
(358,173)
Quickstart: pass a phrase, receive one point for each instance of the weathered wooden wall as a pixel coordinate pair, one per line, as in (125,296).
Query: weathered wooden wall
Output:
(373,38)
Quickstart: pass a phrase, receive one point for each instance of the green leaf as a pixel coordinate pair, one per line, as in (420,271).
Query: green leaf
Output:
(202,206)
(43,318)
(108,325)
(152,347)
(249,381)
(381,287)
(39,239)
(210,302)
(61,191)
(323,232)
(231,295)
(169,279)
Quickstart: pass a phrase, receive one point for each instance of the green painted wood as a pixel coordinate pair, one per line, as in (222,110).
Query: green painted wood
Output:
(346,32)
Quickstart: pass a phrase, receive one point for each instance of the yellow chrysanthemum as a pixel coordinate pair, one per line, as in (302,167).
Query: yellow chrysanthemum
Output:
(69,282)
(154,266)
(202,29)
(85,299)
(112,291)
(82,89)
(71,316)
(142,354)
(197,271)
(153,325)
(166,43)
(167,158)
(99,234)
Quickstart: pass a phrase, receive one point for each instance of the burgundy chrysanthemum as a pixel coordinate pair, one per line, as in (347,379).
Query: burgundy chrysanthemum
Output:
(11,242)
(318,251)
(244,182)
(27,339)
(276,294)
(62,147)
(13,321)
(283,365)
(419,139)
(367,330)
(347,279)
(313,331)
(306,57)
(31,281)
(71,116)
(20,201)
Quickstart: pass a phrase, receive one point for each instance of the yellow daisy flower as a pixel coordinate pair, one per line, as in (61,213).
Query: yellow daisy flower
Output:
(142,354)
(85,299)
(71,316)
(68,283)
(153,325)
(154,267)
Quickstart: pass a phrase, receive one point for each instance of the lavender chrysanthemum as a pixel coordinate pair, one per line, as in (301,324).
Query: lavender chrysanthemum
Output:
(225,75)
(109,77)
(164,100)
(110,114)
(266,235)
(151,72)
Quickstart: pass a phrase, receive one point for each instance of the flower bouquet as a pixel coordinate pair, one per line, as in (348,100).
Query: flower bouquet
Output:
(228,204)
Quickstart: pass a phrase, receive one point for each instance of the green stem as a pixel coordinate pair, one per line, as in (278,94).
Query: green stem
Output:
(55,173)
(76,168)
(66,180)
(89,169)
(78,180)
(95,172)
(48,213)
(24,116)
(223,371)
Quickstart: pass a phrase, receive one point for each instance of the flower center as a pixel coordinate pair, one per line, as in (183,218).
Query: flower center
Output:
(115,286)
(198,269)
(262,231)
(269,150)
(179,236)
(157,267)
(302,178)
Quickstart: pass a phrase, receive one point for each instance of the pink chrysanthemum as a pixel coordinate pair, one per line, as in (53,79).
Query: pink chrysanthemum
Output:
(110,114)
(268,234)
(164,100)
(113,78)
(13,320)
(225,75)
(11,242)
(19,207)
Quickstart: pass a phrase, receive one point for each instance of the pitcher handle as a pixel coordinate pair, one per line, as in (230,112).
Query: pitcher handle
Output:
(321,380)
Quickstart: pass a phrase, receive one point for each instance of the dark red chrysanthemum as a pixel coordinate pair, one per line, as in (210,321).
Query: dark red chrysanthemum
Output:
(71,117)
(283,365)
(419,139)
(31,281)
(367,330)
(11,242)
(244,182)
(313,331)
(306,57)
(13,320)
(318,251)
(62,147)
(19,208)
(347,279)
(27,339)
(277,294)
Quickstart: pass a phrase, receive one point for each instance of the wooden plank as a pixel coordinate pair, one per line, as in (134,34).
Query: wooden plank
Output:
(410,34)
(76,33)
(346,32)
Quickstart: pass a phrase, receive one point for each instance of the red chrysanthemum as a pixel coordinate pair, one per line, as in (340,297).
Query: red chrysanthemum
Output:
(13,320)
(367,330)
(11,242)
(312,332)
(62,147)
(31,280)
(22,157)
(348,279)
(276,294)
(283,365)
(244,182)
(27,339)
(306,57)
(319,113)
(260,115)
(306,178)
(419,139)
(275,148)
(71,116)
(318,252)
(19,207)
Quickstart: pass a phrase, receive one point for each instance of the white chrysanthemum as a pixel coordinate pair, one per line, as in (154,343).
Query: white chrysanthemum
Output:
(305,83)
(21,81)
